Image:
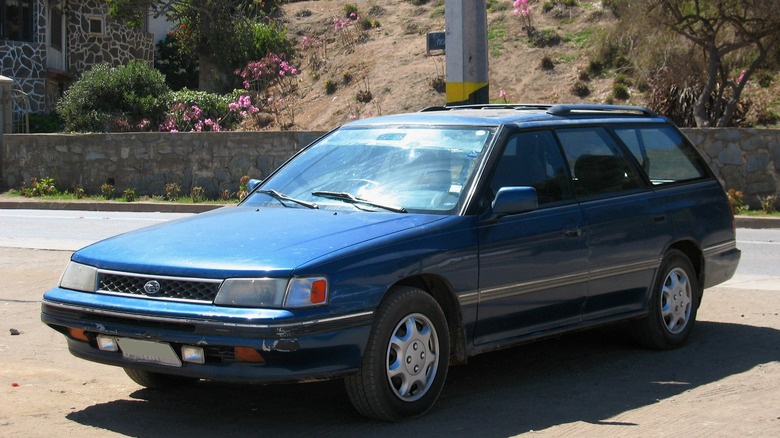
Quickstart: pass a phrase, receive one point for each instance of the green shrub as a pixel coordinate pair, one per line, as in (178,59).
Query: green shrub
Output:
(180,67)
(107,190)
(129,195)
(39,187)
(350,9)
(45,123)
(172,191)
(580,89)
(330,87)
(198,194)
(214,106)
(132,97)
(620,91)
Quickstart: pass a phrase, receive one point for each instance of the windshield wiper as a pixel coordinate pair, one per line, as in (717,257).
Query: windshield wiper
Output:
(351,199)
(283,197)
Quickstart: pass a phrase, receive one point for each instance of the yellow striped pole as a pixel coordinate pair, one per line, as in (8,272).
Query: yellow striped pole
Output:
(466,52)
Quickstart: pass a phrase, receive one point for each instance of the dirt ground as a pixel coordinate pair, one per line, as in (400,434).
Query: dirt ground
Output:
(724,383)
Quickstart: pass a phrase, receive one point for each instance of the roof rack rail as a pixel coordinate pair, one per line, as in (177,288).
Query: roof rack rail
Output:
(489,106)
(573,109)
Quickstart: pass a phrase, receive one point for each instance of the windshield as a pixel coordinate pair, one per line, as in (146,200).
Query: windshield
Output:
(414,169)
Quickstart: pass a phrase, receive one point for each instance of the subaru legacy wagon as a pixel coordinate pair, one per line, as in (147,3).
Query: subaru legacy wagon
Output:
(396,246)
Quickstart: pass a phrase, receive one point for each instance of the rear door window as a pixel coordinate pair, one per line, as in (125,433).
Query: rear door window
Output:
(596,162)
(663,154)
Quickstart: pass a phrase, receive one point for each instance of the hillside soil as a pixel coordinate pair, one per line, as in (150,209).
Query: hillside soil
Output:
(390,61)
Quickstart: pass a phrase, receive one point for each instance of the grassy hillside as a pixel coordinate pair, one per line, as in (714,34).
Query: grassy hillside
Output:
(378,64)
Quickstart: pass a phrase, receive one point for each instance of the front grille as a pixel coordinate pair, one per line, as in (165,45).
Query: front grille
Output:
(170,288)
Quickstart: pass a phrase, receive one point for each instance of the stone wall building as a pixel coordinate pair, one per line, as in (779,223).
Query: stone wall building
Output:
(46,44)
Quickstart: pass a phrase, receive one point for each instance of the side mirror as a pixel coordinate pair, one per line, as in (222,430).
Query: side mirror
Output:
(252,184)
(513,200)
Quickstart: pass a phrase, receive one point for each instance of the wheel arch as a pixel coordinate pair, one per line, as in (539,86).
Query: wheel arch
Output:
(694,254)
(441,291)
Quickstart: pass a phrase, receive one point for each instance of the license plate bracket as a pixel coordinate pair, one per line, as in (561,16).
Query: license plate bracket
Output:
(138,350)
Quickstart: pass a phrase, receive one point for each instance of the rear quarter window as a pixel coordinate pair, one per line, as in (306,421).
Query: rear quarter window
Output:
(663,153)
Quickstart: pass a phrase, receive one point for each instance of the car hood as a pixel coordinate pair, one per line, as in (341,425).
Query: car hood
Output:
(243,241)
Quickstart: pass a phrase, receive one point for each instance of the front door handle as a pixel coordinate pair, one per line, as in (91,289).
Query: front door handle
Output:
(572,232)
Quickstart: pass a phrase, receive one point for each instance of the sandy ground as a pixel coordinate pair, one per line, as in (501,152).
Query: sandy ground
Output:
(594,384)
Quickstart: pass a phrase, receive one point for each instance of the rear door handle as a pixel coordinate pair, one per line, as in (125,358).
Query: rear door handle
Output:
(572,232)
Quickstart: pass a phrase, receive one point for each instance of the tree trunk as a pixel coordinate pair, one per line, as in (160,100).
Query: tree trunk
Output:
(700,108)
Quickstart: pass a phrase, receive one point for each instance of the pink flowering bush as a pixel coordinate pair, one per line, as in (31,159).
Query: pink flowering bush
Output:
(182,118)
(522,8)
(198,111)
(314,52)
(349,33)
(273,85)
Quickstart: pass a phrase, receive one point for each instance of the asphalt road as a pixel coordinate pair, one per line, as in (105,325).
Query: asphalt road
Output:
(590,384)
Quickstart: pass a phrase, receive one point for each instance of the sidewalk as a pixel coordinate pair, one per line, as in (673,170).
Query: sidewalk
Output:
(13,202)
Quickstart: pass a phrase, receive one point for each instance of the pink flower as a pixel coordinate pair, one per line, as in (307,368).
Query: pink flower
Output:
(741,76)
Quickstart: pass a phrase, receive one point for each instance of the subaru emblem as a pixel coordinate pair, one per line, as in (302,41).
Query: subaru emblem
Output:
(151,287)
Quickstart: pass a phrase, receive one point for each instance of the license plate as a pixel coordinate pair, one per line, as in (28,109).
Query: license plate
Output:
(148,351)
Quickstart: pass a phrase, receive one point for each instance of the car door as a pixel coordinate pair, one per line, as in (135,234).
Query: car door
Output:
(533,266)
(627,226)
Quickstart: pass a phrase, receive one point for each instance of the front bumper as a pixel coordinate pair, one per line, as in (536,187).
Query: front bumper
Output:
(292,348)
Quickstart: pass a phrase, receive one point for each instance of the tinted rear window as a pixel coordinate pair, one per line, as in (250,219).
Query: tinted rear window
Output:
(663,153)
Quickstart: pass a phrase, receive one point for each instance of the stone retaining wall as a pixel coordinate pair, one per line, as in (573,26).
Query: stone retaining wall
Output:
(744,159)
(147,162)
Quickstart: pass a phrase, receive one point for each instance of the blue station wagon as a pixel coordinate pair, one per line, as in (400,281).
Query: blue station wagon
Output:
(396,246)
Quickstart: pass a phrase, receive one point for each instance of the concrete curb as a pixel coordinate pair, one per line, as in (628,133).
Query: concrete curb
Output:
(755,222)
(138,207)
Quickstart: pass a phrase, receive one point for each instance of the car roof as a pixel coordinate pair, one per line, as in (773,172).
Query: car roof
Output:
(522,115)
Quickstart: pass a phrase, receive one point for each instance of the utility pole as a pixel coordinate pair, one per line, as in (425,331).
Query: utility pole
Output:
(467,51)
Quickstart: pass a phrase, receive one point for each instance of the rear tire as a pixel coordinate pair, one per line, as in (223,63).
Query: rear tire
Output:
(406,359)
(673,304)
(153,380)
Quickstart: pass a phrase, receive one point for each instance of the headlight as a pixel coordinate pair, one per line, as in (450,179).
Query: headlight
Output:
(79,277)
(273,292)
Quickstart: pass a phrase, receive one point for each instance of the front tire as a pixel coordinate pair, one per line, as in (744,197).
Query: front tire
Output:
(406,359)
(673,304)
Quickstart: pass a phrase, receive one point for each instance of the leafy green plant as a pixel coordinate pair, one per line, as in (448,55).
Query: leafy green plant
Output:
(737,201)
(768,203)
(350,10)
(129,195)
(580,89)
(172,191)
(226,195)
(547,64)
(179,66)
(78,191)
(39,187)
(620,91)
(197,194)
(330,87)
(132,97)
(243,187)
(107,190)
